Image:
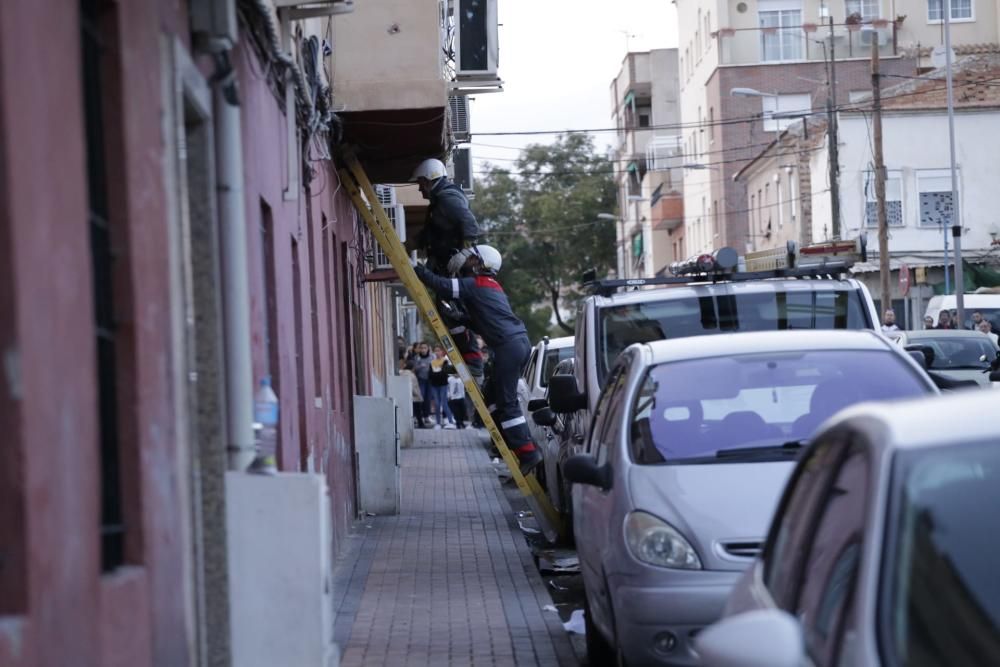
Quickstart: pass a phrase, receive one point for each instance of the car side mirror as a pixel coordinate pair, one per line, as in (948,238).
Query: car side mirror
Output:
(918,357)
(583,469)
(537,404)
(759,638)
(927,352)
(544,417)
(564,396)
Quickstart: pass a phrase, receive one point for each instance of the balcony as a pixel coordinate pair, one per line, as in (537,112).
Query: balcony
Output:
(388,84)
(806,42)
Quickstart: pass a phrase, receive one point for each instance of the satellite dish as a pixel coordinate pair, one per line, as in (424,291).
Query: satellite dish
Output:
(939,56)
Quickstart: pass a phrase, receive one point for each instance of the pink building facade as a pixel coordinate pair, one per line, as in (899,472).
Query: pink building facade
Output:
(112,392)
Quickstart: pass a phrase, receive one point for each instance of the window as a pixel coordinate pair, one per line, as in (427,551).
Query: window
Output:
(783,104)
(781,30)
(103,267)
(934,187)
(529,370)
(643,119)
(697,36)
(793,520)
(601,412)
(940,564)
(961,10)
(708,30)
(867,9)
(807,307)
(833,559)
(711,125)
(550,361)
(721,410)
(893,199)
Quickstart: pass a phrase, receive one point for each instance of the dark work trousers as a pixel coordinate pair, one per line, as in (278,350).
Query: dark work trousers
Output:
(425,391)
(509,359)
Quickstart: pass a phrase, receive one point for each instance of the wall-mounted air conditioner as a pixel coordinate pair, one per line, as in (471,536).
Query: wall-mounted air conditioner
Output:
(386,195)
(476,47)
(458,107)
(462,159)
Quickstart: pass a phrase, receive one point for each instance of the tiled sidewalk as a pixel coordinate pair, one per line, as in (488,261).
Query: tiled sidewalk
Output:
(450,581)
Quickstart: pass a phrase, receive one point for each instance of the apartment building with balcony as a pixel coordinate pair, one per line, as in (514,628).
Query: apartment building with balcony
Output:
(779,53)
(787,191)
(173,229)
(647,158)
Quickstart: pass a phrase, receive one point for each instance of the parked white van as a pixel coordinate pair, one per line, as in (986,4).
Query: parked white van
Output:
(985,299)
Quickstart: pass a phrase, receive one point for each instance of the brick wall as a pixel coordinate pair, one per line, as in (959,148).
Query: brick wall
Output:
(741,141)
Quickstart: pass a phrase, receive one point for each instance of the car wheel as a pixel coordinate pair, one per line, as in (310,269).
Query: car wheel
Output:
(599,651)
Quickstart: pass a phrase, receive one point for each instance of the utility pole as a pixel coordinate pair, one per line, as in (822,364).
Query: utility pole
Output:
(883,226)
(834,140)
(956,219)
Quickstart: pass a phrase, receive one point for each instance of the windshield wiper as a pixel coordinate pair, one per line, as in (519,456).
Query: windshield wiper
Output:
(790,447)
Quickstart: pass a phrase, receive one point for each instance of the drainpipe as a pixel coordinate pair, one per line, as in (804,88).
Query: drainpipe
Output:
(235,287)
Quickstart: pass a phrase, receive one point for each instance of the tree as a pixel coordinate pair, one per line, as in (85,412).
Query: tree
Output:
(542,216)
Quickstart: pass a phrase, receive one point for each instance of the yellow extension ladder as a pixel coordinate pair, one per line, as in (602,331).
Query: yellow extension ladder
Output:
(356,182)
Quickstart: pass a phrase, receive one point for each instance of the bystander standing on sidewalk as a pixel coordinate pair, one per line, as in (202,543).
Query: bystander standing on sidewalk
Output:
(438,380)
(456,401)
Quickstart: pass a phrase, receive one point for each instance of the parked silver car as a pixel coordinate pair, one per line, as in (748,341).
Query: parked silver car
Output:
(691,442)
(883,550)
(534,381)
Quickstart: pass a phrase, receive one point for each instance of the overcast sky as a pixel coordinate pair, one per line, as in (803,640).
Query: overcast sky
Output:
(557,59)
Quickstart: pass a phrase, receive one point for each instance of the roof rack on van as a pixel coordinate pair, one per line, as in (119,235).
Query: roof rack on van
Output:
(825,260)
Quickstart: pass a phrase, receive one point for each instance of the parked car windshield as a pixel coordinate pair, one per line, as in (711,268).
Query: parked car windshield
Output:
(942,605)
(551,360)
(958,352)
(829,306)
(754,406)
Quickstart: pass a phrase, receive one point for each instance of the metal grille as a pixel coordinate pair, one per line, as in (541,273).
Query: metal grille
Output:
(102,266)
(742,549)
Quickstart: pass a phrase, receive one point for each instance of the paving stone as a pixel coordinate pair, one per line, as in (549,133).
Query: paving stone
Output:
(450,581)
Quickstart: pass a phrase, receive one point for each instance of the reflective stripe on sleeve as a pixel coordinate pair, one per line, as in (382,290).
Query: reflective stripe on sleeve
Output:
(513,422)
(454,288)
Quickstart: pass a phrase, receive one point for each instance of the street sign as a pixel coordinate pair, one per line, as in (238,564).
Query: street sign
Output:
(904,279)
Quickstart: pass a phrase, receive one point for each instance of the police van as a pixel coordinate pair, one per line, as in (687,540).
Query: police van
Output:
(790,288)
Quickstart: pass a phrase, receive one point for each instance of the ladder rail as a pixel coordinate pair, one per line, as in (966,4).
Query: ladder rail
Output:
(356,181)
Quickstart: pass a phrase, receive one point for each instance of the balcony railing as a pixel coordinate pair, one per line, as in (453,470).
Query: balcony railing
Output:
(806,42)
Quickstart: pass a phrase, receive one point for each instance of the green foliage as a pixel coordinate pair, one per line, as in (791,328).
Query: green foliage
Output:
(542,216)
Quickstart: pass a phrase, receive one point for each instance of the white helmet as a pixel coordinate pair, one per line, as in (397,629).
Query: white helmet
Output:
(430,169)
(488,255)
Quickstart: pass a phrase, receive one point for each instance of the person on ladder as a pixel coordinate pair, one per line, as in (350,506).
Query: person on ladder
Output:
(450,227)
(475,286)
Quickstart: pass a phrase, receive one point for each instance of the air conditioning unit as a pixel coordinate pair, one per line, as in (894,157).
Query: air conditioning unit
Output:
(386,195)
(869,33)
(458,106)
(462,159)
(476,47)
(306,9)
(397,216)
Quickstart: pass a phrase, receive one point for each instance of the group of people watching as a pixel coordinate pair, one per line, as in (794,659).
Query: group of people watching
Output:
(947,319)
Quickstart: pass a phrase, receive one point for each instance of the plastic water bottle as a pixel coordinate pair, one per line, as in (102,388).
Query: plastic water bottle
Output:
(266,415)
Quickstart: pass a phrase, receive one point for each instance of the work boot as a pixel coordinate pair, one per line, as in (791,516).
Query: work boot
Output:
(529,460)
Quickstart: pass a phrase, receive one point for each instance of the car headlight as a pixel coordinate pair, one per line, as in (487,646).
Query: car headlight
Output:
(654,541)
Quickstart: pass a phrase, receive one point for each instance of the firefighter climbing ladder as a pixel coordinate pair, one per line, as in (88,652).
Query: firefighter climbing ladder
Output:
(356,182)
